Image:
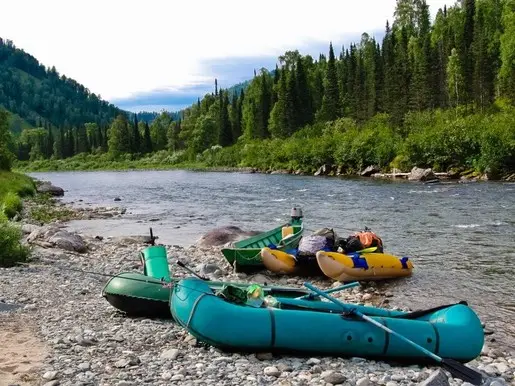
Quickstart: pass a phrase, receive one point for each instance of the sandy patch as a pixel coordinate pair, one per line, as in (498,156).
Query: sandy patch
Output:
(21,353)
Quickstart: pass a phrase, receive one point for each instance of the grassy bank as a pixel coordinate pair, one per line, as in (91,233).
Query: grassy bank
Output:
(162,160)
(13,186)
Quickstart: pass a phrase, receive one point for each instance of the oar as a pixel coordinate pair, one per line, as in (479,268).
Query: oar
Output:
(182,265)
(367,250)
(311,295)
(456,368)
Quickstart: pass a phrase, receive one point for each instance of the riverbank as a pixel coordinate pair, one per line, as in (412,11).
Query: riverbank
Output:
(89,342)
(165,161)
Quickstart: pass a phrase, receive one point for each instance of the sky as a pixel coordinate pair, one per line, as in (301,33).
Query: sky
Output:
(162,54)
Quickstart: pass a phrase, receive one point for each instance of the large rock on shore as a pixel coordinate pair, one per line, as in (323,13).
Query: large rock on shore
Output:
(53,236)
(47,187)
(224,235)
(372,169)
(419,174)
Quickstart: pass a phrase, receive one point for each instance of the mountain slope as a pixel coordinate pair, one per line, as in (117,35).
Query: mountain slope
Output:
(39,95)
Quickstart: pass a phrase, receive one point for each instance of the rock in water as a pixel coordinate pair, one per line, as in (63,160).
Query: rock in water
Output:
(418,174)
(369,170)
(223,235)
(47,187)
(437,378)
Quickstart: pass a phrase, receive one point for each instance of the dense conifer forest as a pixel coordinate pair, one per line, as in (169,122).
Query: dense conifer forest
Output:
(437,94)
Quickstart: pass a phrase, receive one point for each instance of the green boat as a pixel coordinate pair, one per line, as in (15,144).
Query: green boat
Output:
(244,255)
(148,293)
(452,331)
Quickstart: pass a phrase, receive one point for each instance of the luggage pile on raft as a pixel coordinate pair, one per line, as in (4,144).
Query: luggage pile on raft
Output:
(286,250)
(251,317)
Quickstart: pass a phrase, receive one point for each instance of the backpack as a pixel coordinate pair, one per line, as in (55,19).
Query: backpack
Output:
(322,239)
(362,240)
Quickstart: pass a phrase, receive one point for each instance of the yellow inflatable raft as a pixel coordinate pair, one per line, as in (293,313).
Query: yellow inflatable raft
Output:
(282,262)
(363,267)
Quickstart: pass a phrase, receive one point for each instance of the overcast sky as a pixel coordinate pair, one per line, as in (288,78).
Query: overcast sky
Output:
(154,54)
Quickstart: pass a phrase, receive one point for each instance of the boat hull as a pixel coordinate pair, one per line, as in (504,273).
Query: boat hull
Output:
(363,267)
(139,295)
(245,255)
(452,332)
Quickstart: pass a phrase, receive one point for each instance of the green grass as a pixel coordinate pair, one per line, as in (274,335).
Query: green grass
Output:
(12,204)
(12,187)
(17,183)
(42,209)
(12,250)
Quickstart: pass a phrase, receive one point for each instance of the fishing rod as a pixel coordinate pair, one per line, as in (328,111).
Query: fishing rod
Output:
(95,273)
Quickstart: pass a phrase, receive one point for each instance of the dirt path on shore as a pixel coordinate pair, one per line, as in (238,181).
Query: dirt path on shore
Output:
(21,353)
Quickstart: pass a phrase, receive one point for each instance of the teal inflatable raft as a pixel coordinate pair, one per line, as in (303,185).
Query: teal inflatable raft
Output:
(317,327)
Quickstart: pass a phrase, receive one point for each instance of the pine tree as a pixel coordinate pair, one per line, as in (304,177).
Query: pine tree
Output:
(483,63)
(136,136)
(147,139)
(119,136)
(401,80)
(50,143)
(81,140)
(454,78)
(303,93)
(264,104)
(330,109)
(225,134)
(278,124)
(467,59)
(507,51)
(388,59)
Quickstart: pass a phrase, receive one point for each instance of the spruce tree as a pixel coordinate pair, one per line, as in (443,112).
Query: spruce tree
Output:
(507,51)
(147,139)
(303,94)
(119,136)
(225,135)
(467,59)
(330,109)
(264,104)
(136,136)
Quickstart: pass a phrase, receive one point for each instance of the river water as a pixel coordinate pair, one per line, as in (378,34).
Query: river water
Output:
(460,236)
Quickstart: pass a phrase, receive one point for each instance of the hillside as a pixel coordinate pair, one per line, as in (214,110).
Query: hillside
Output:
(39,95)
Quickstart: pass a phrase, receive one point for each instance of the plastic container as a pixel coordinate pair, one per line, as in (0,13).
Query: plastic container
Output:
(155,262)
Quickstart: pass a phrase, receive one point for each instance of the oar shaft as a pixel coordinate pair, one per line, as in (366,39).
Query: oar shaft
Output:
(340,288)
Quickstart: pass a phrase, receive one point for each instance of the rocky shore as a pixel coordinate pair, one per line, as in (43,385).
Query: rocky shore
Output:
(72,335)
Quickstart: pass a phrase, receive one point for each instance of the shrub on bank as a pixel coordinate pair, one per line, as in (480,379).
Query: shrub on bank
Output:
(12,204)
(12,251)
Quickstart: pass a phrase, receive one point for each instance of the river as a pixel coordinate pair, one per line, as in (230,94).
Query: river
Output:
(460,236)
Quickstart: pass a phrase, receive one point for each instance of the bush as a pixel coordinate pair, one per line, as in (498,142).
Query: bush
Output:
(12,204)
(12,251)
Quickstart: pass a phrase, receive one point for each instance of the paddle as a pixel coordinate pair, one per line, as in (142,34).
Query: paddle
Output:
(456,368)
(367,250)
(182,265)
(311,295)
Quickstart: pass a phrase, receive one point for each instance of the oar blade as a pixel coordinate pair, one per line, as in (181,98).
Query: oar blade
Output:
(459,370)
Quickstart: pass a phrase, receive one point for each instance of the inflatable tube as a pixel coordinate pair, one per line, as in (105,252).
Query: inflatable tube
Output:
(363,267)
(452,331)
(284,263)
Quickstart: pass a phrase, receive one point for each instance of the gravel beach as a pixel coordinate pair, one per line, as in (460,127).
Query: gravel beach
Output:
(69,334)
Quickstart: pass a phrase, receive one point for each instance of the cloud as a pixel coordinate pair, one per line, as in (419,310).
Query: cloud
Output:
(123,49)
(228,72)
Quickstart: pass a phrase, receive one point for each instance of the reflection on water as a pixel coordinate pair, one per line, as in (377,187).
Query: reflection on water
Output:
(460,236)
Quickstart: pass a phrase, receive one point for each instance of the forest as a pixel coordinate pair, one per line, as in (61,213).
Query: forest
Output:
(437,94)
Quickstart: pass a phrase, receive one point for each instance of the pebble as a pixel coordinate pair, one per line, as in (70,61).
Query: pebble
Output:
(272,371)
(365,381)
